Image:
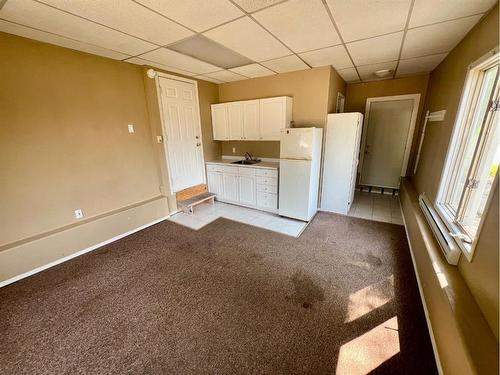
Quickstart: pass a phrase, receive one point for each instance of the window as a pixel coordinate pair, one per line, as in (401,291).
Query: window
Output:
(474,155)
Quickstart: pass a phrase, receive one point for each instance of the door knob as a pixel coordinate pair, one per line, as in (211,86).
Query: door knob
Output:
(197,137)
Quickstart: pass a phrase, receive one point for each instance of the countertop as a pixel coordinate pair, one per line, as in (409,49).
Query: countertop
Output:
(262,164)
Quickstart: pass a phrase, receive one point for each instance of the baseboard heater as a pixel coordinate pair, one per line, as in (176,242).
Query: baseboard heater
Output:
(448,245)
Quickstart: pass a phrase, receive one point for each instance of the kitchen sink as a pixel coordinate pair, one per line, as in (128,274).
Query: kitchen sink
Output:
(246,162)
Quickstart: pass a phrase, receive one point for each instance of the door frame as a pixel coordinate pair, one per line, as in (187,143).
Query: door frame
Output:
(164,125)
(411,130)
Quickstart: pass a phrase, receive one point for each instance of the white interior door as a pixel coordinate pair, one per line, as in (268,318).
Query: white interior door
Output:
(387,131)
(181,121)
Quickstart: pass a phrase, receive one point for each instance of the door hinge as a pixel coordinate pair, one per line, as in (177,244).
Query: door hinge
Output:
(495,105)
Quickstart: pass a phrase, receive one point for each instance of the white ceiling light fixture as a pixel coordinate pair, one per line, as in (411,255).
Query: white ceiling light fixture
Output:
(382,73)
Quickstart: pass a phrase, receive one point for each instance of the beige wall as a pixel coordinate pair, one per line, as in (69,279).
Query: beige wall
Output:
(64,142)
(444,92)
(463,338)
(310,90)
(357,93)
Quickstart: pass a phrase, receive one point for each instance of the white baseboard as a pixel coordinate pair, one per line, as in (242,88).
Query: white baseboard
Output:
(78,253)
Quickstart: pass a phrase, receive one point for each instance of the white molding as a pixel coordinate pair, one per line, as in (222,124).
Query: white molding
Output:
(411,130)
(78,253)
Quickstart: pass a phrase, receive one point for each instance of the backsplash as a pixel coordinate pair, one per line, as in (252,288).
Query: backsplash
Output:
(264,149)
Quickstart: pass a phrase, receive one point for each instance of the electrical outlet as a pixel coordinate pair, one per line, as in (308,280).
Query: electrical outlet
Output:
(78,214)
(234,150)
(159,139)
(131,128)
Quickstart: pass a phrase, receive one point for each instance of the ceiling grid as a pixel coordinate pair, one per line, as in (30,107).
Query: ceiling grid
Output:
(228,40)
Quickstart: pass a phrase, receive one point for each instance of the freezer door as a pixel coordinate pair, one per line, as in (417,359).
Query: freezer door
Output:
(296,143)
(295,179)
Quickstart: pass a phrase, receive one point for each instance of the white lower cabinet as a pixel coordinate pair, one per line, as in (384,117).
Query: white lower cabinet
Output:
(214,180)
(246,186)
(247,190)
(230,187)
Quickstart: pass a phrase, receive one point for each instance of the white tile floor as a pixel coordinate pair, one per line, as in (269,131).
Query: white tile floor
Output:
(205,213)
(377,207)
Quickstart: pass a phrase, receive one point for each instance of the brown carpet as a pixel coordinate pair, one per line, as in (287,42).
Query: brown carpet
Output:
(226,299)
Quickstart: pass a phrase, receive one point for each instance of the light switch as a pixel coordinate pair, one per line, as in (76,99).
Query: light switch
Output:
(234,150)
(159,139)
(131,128)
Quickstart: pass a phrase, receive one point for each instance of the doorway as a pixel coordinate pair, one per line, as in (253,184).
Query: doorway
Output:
(180,116)
(387,138)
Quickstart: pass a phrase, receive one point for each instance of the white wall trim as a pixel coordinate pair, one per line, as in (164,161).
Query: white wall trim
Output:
(81,252)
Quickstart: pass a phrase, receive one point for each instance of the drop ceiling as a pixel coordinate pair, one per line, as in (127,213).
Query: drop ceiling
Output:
(231,40)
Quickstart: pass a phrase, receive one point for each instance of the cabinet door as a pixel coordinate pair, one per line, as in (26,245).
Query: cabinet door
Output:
(220,122)
(215,184)
(272,118)
(235,120)
(230,187)
(251,120)
(247,190)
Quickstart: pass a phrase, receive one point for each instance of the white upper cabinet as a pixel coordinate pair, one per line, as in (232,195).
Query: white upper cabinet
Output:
(220,123)
(275,114)
(252,120)
(235,119)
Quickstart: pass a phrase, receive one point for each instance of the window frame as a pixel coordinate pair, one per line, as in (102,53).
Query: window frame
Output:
(462,126)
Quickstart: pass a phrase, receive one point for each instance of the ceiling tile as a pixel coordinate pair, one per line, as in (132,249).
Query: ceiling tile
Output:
(249,39)
(419,64)
(43,36)
(437,38)
(225,76)
(335,56)
(179,61)
(209,79)
(126,16)
(252,71)
(139,61)
(349,74)
(367,71)
(288,22)
(359,19)
(253,5)
(426,12)
(46,18)
(376,50)
(285,64)
(195,14)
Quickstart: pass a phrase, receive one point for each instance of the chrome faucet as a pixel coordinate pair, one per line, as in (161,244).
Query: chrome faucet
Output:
(248,156)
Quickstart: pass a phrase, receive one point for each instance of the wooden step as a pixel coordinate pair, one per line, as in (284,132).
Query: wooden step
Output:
(187,205)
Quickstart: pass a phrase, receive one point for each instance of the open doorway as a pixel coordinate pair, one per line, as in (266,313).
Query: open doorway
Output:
(386,142)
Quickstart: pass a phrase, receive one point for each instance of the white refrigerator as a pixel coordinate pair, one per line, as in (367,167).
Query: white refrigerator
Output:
(340,164)
(300,159)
